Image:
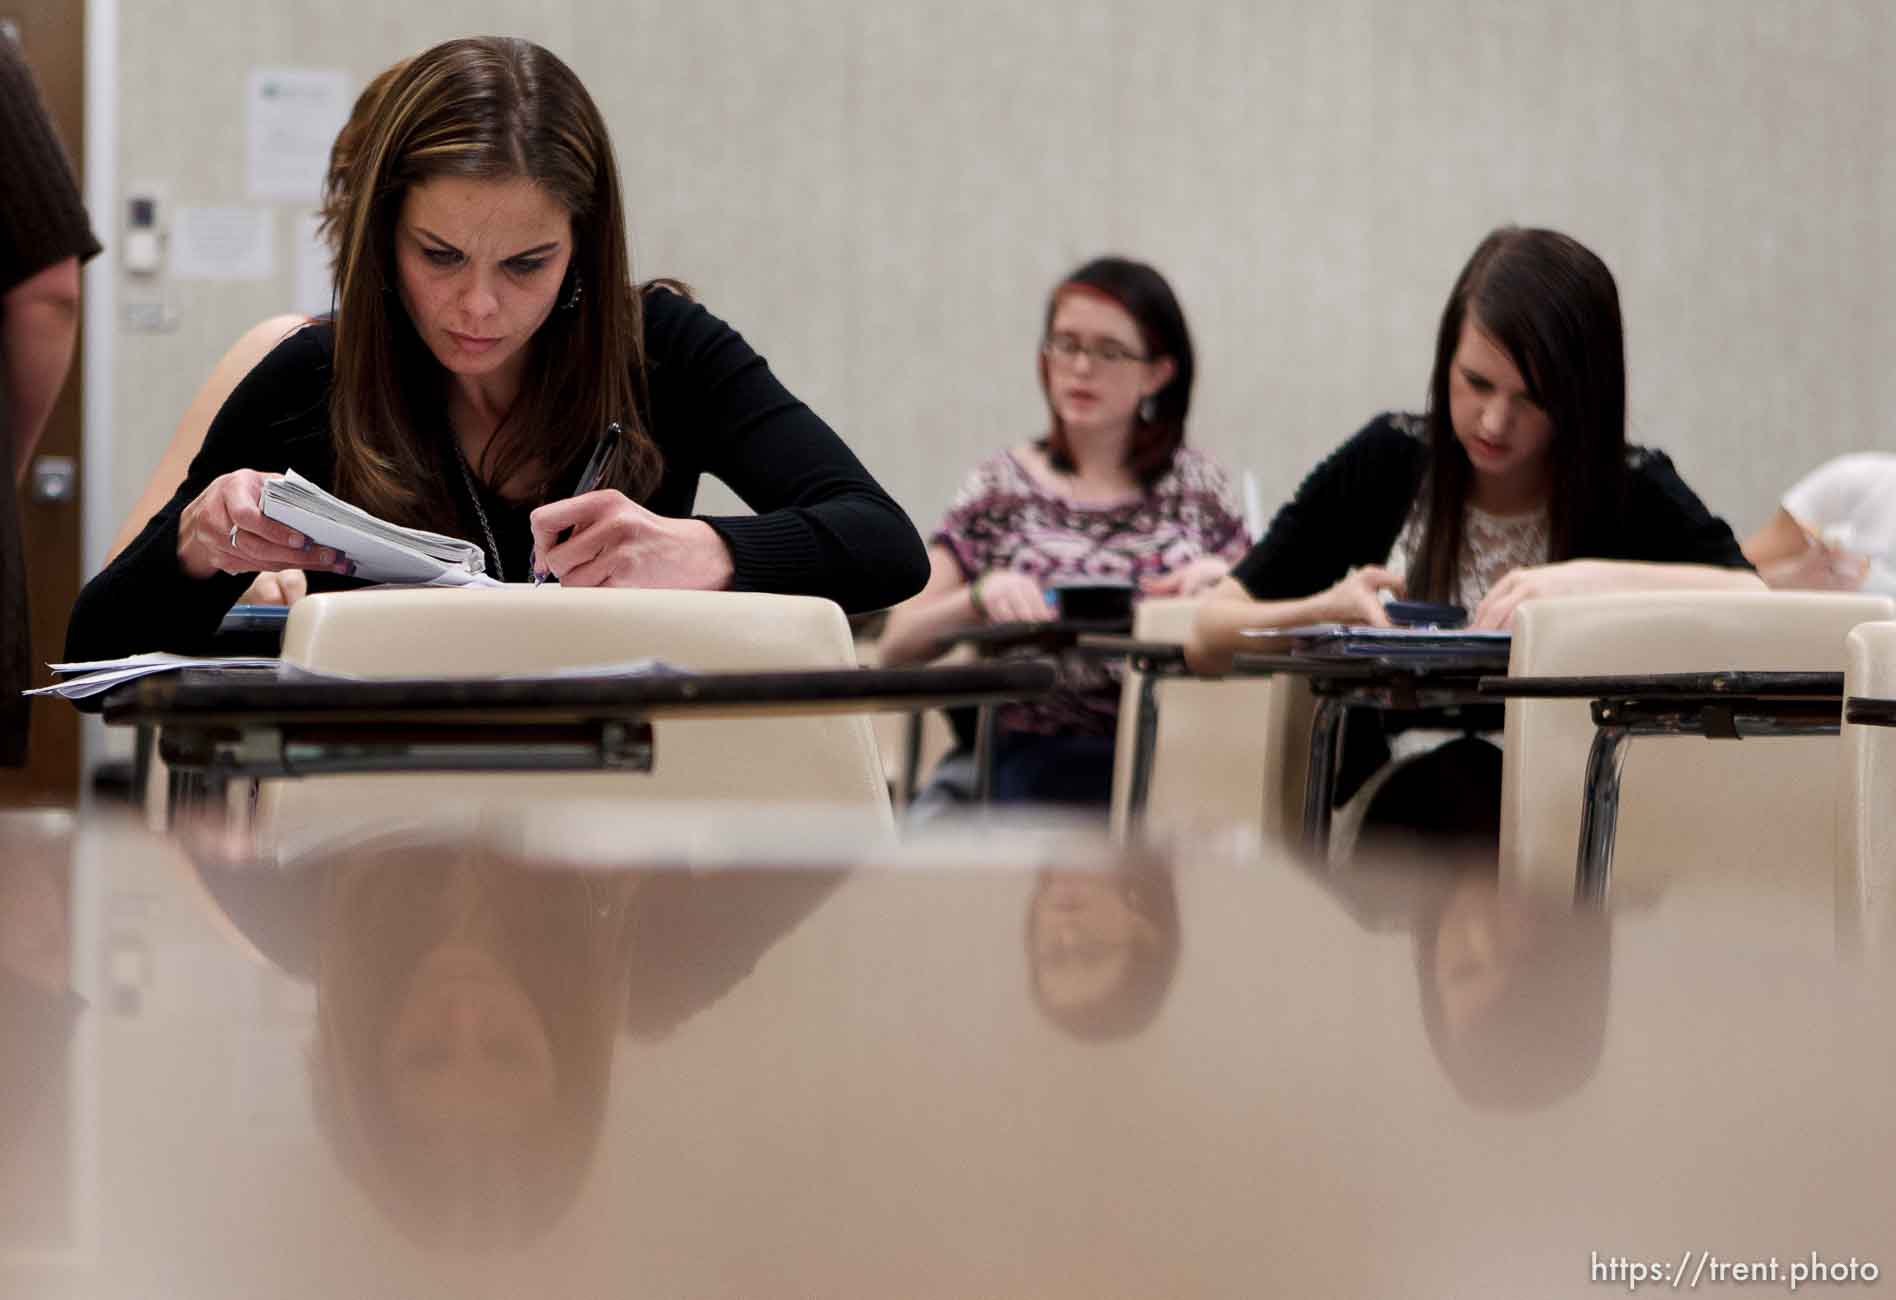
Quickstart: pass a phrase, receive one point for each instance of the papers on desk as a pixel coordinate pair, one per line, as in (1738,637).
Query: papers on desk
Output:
(95,676)
(1361,639)
(98,675)
(383,552)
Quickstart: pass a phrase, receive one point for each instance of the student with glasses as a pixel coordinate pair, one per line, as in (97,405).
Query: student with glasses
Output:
(1108,493)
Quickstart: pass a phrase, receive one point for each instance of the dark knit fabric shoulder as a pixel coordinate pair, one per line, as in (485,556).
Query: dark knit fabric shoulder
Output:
(42,220)
(1666,522)
(1349,510)
(1345,513)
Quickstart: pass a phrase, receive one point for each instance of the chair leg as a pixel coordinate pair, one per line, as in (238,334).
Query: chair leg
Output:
(984,756)
(1326,746)
(1599,814)
(912,755)
(1145,736)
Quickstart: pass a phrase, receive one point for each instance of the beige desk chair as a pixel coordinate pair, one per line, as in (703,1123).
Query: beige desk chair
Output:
(1229,754)
(1760,809)
(830,760)
(1866,799)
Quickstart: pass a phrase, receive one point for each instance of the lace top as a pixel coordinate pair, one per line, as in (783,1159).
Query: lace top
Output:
(1492,545)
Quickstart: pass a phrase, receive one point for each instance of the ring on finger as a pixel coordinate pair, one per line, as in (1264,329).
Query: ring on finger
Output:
(233,537)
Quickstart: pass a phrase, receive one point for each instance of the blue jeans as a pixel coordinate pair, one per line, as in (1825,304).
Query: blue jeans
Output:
(1074,770)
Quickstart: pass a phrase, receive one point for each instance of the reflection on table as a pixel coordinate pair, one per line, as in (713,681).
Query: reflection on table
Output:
(593,1049)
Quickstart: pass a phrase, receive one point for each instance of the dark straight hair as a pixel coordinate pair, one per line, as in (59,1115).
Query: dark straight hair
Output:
(1551,304)
(1142,294)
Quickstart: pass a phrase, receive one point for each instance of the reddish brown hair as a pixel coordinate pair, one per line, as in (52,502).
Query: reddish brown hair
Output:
(1142,294)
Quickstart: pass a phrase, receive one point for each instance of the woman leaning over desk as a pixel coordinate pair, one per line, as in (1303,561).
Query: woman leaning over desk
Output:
(1517,483)
(487,332)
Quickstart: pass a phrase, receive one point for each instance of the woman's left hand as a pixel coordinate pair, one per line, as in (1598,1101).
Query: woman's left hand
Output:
(617,542)
(1193,579)
(1567,578)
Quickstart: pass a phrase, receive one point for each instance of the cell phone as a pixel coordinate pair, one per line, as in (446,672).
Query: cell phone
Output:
(1422,613)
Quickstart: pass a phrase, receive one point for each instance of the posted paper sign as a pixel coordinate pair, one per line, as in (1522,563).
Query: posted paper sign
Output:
(223,244)
(293,116)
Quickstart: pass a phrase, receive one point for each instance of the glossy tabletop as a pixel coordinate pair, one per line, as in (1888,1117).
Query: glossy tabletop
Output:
(591,1050)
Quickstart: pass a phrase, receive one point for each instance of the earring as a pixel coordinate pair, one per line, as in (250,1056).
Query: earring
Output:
(572,299)
(1148,409)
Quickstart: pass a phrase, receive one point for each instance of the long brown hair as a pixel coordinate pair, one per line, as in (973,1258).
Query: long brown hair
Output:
(333,210)
(487,108)
(1551,304)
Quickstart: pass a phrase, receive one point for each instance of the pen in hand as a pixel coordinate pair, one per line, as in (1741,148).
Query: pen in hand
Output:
(588,480)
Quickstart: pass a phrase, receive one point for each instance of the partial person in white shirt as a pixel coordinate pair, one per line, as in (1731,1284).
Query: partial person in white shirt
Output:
(1835,530)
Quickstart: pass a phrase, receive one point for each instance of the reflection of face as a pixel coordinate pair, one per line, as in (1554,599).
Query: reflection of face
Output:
(1507,437)
(467,1050)
(1090,393)
(1082,937)
(1480,942)
(481,263)
(34,939)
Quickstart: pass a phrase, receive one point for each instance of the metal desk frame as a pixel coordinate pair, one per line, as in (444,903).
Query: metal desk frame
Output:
(1716,705)
(1414,683)
(216,727)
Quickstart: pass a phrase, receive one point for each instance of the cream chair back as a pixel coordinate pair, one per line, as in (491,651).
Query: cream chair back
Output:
(1759,809)
(1866,799)
(1230,753)
(829,760)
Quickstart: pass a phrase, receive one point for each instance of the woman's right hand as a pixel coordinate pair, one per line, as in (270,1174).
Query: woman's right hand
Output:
(1004,596)
(1357,597)
(225,531)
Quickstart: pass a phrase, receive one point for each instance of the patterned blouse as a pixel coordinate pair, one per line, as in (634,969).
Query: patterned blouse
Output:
(1493,546)
(1004,519)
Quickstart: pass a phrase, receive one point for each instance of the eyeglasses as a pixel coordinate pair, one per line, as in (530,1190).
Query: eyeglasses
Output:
(1069,348)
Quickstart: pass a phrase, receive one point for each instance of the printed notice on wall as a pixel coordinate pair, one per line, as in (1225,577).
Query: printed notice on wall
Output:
(293,116)
(223,243)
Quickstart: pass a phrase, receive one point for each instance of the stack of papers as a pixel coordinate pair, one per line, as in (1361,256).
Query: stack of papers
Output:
(94,676)
(98,675)
(383,552)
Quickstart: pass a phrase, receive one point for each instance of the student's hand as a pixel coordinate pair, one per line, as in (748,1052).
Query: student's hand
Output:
(617,542)
(1357,597)
(1819,567)
(1567,578)
(284,587)
(1004,596)
(1193,579)
(224,531)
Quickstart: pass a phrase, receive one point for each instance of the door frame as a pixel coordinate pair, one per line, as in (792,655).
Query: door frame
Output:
(100,339)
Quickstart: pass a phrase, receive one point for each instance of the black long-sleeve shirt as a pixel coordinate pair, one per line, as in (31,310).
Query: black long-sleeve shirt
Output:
(823,526)
(1350,509)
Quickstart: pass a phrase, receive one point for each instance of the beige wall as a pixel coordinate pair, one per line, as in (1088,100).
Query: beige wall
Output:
(880,192)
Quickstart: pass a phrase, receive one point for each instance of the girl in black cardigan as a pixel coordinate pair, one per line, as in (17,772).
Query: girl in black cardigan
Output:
(1517,483)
